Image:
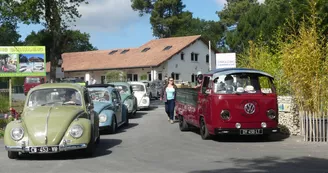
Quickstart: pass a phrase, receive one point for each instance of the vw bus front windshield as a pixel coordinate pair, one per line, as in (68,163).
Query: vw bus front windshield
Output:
(242,83)
(51,96)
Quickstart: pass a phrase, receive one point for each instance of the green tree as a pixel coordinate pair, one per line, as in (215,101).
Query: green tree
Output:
(116,76)
(167,16)
(233,10)
(53,14)
(71,41)
(209,29)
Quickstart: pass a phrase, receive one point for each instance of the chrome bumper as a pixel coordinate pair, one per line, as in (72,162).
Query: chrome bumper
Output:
(26,149)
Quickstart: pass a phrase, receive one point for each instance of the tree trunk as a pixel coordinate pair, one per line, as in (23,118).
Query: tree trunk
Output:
(53,20)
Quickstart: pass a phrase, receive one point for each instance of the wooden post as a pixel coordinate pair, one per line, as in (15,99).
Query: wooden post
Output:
(10,89)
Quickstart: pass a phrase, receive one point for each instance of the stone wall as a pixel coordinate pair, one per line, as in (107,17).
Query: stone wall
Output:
(288,116)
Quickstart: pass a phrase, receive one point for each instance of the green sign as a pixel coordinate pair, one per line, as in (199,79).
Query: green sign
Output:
(21,61)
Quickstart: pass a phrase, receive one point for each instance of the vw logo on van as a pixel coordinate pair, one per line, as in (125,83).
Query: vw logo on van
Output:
(249,108)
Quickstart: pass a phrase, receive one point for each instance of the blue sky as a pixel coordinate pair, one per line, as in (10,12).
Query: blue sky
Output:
(113,24)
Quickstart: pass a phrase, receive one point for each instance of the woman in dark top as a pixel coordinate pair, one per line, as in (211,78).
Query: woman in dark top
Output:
(168,95)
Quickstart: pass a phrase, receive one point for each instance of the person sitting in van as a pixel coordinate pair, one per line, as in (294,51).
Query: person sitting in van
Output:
(228,80)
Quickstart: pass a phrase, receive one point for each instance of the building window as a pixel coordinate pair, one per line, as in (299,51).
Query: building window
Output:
(129,77)
(135,77)
(182,56)
(149,76)
(177,76)
(192,56)
(145,49)
(112,52)
(196,56)
(167,48)
(124,51)
(103,79)
(193,78)
(207,58)
(160,76)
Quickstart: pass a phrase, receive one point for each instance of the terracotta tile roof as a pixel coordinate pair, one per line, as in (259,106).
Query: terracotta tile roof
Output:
(133,58)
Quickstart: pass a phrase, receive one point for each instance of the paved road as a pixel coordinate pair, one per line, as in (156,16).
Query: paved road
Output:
(152,145)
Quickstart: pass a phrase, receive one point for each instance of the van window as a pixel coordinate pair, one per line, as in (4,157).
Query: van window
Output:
(32,80)
(243,83)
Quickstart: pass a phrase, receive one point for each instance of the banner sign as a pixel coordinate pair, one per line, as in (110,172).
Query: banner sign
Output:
(226,60)
(22,61)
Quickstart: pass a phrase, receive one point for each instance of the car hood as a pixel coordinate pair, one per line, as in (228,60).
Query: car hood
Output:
(98,106)
(35,120)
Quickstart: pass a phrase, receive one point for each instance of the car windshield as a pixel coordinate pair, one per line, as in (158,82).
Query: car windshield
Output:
(122,89)
(99,94)
(51,96)
(138,87)
(242,83)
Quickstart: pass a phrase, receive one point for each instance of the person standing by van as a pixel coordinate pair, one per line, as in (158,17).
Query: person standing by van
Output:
(168,95)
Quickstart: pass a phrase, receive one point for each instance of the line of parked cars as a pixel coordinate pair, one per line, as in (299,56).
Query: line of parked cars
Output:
(69,116)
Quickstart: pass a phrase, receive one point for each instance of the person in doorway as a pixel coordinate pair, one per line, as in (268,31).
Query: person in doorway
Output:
(168,95)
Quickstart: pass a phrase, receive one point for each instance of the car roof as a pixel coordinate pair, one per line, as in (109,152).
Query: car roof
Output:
(119,83)
(135,82)
(238,70)
(59,85)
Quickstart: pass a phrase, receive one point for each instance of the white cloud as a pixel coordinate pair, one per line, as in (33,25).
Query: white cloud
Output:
(106,15)
(222,2)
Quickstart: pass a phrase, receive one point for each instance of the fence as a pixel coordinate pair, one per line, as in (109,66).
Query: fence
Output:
(314,126)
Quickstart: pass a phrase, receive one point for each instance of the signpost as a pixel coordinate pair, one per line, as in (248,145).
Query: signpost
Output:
(226,60)
(22,61)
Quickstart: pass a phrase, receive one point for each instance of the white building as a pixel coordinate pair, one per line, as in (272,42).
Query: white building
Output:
(179,57)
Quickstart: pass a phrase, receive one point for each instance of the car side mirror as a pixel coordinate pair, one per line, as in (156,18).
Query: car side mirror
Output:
(208,91)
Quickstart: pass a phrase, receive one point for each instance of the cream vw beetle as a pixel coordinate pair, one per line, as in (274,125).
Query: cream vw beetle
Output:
(141,93)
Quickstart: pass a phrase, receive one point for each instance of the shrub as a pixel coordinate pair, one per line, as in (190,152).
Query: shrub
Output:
(4,104)
(116,76)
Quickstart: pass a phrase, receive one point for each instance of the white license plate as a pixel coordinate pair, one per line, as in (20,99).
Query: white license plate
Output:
(251,131)
(44,149)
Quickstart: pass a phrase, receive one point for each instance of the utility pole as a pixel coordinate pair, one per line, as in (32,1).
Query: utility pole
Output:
(210,55)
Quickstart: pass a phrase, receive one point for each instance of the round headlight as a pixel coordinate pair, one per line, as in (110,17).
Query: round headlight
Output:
(76,131)
(225,114)
(271,114)
(102,118)
(17,133)
(144,101)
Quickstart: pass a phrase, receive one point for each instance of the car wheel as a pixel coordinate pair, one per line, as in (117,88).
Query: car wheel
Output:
(183,125)
(13,155)
(113,126)
(98,140)
(203,130)
(127,119)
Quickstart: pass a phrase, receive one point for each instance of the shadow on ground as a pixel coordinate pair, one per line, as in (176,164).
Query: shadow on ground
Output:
(102,150)
(138,115)
(272,164)
(238,138)
(120,129)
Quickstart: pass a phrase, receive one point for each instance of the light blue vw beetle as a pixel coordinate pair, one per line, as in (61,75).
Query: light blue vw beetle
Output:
(108,104)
